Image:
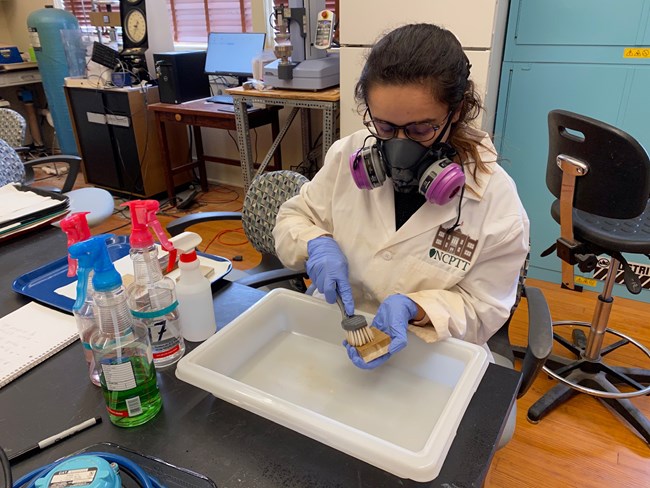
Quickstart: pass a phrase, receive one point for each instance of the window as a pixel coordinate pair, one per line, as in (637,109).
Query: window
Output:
(192,20)
(79,9)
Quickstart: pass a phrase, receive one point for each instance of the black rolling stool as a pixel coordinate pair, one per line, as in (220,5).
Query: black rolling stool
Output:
(601,177)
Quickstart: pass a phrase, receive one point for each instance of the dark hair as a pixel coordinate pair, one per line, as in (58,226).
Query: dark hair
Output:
(432,56)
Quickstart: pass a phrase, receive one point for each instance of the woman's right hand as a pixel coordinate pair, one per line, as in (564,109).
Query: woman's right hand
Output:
(328,269)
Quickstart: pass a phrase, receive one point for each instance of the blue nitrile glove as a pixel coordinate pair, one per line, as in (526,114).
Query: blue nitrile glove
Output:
(393,316)
(328,269)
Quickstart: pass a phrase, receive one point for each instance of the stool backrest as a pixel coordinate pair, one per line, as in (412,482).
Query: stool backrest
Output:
(617,184)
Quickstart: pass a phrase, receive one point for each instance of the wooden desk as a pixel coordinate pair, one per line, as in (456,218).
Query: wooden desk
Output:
(325,100)
(197,114)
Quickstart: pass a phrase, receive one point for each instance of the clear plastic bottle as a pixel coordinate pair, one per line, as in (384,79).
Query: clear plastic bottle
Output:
(76,229)
(87,325)
(152,296)
(120,345)
(152,300)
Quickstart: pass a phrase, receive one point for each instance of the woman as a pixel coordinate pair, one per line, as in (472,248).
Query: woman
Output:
(412,219)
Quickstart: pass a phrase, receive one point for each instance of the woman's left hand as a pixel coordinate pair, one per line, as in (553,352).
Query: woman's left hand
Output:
(393,316)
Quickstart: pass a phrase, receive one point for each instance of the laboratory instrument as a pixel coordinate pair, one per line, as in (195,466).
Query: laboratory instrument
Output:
(302,32)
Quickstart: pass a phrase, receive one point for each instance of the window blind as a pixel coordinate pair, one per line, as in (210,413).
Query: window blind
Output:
(80,9)
(192,20)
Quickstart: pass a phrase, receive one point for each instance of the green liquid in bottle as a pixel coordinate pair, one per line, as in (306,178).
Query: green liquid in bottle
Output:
(134,406)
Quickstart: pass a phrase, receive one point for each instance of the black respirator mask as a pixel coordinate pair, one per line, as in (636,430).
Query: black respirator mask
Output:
(411,166)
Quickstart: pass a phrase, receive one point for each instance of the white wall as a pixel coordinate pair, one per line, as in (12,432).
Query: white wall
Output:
(5,35)
(15,13)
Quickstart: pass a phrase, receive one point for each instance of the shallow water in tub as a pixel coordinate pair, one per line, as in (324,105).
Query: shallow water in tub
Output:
(390,403)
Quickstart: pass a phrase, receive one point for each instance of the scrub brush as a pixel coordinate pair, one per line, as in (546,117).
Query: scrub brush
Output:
(355,326)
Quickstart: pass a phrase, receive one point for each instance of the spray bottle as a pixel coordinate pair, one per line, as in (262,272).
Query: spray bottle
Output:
(76,228)
(120,344)
(152,296)
(193,290)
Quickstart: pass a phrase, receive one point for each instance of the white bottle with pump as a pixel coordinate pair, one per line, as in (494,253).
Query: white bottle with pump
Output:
(193,291)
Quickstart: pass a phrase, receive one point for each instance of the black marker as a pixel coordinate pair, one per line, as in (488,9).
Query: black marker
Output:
(45,443)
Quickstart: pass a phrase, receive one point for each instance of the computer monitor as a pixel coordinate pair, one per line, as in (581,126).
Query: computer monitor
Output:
(232,53)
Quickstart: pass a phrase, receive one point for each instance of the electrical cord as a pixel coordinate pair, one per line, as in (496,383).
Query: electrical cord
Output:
(131,468)
(221,233)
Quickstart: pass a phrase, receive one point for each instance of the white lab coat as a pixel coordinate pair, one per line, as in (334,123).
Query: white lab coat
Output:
(467,299)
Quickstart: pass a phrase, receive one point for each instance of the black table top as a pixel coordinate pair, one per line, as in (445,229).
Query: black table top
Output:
(198,431)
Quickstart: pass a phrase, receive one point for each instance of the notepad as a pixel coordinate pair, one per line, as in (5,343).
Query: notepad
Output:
(30,335)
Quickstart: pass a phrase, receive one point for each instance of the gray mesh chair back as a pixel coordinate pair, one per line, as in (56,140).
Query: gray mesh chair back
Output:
(12,127)
(261,204)
(12,168)
(265,195)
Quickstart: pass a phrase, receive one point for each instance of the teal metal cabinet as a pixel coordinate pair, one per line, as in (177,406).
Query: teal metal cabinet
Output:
(573,55)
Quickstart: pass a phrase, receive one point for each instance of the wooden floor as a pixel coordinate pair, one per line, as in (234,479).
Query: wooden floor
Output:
(580,444)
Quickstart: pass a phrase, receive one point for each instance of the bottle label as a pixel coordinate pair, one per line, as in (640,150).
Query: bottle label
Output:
(165,338)
(133,406)
(119,377)
(34,38)
(117,413)
(166,352)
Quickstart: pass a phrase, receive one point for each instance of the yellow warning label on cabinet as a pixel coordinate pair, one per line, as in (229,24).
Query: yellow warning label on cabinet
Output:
(637,52)
(581,280)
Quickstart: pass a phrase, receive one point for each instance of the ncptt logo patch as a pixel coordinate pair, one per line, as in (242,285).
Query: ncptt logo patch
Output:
(454,249)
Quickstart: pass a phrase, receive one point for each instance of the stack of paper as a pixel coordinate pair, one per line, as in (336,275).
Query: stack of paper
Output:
(23,207)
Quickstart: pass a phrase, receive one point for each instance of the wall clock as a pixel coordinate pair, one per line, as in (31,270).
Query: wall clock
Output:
(134,24)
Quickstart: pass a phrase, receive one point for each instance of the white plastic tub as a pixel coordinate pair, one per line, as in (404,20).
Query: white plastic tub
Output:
(283,360)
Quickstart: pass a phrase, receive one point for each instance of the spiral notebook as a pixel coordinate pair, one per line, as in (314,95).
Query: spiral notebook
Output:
(30,335)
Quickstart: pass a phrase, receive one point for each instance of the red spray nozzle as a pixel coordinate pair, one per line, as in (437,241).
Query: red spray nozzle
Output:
(76,228)
(143,215)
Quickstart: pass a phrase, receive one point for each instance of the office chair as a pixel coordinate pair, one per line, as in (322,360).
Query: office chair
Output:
(600,176)
(97,201)
(538,349)
(12,128)
(261,204)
